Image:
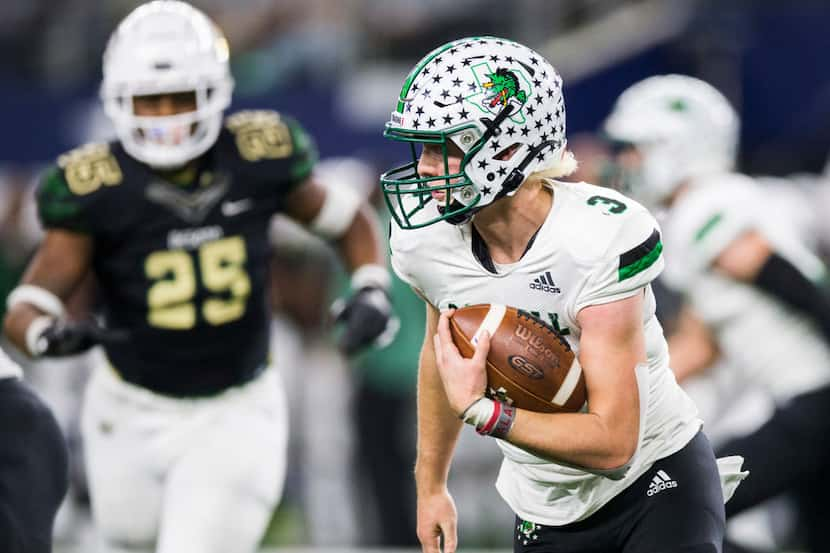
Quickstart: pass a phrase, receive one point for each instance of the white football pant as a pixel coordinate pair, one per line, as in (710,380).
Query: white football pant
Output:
(184,475)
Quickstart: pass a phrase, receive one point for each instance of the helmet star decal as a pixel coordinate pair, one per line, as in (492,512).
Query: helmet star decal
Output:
(499,103)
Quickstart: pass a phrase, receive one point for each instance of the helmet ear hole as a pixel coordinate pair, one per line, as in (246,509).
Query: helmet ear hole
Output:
(507,153)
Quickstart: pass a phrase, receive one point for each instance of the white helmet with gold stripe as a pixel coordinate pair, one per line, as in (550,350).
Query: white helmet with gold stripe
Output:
(165,47)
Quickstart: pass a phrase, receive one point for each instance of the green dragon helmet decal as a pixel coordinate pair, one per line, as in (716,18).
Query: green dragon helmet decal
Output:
(496,100)
(506,85)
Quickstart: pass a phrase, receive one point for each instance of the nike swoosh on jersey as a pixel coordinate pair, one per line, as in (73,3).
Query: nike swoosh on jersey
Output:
(231,209)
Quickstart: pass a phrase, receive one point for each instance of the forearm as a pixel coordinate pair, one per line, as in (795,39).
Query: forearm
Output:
(438,427)
(692,348)
(360,244)
(57,269)
(582,439)
(612,347)
(782,280)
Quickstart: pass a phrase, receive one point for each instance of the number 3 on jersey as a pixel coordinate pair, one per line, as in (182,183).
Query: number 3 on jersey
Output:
(171,298)
(612,205)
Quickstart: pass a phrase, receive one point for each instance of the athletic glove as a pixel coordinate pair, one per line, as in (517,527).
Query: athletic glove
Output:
(366,317)
(63,337)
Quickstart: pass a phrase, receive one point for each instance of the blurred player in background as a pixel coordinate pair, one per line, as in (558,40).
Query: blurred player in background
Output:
(33,465)
(479,215)
(751,285)
(184,423)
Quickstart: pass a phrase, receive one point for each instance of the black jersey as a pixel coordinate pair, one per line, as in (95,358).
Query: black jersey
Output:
(183,269)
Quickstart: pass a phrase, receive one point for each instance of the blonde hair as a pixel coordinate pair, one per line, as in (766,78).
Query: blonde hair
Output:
(562,167)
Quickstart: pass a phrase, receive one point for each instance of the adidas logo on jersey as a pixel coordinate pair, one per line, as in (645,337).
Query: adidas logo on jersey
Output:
(545,284)
(660,482)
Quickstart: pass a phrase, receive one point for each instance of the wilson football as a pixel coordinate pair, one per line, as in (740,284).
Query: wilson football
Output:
(530,365)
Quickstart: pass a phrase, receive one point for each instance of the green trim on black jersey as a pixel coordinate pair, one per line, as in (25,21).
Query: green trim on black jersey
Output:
(58,207)
(305,150)
(641,257)
(708,226)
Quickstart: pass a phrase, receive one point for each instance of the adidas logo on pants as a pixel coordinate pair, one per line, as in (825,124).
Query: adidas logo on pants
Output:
(660,482)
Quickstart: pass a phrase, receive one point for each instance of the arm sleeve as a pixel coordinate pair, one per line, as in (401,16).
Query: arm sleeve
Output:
(781,279)
(701,228)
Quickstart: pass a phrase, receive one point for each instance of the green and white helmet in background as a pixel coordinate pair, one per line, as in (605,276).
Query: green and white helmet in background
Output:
(499,102)
(682,127)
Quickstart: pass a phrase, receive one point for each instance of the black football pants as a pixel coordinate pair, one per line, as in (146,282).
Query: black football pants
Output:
(682,514)
(33,470)
(790,453)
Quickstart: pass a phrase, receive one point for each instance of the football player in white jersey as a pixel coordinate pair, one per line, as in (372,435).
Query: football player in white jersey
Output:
(481,218)
(749,281)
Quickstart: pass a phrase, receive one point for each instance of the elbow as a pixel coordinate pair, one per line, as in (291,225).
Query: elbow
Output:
(617,459)
(619,454)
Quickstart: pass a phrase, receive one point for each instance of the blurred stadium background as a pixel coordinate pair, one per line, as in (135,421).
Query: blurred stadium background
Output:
(337,66)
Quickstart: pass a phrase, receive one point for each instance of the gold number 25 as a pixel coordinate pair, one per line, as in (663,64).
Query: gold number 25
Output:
(170,298)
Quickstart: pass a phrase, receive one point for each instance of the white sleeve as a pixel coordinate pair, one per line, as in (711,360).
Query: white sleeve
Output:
(401,259)
(399,269)
(702,227)
(631,262)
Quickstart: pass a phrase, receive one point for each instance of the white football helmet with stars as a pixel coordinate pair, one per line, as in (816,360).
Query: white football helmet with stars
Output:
(499,101)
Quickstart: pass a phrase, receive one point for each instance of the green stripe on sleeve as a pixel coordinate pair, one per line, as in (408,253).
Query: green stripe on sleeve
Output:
(641,264)
(708,226)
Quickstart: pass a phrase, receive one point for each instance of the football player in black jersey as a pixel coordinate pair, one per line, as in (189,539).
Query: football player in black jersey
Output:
(33,465)
(184,420)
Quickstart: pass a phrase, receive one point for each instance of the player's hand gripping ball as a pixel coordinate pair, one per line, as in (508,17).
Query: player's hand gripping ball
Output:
(530,365)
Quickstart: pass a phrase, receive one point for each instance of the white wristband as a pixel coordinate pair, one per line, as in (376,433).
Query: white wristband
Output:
(479,413)
(371,275)
(34,332)
(37,297)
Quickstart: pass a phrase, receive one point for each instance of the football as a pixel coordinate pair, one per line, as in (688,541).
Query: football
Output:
(530,365)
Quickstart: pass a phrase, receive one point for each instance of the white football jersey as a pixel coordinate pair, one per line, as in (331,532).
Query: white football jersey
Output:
(775,345)
(596,246)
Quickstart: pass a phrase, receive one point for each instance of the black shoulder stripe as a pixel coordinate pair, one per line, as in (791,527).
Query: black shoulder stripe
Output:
(638,252)
(640,257)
